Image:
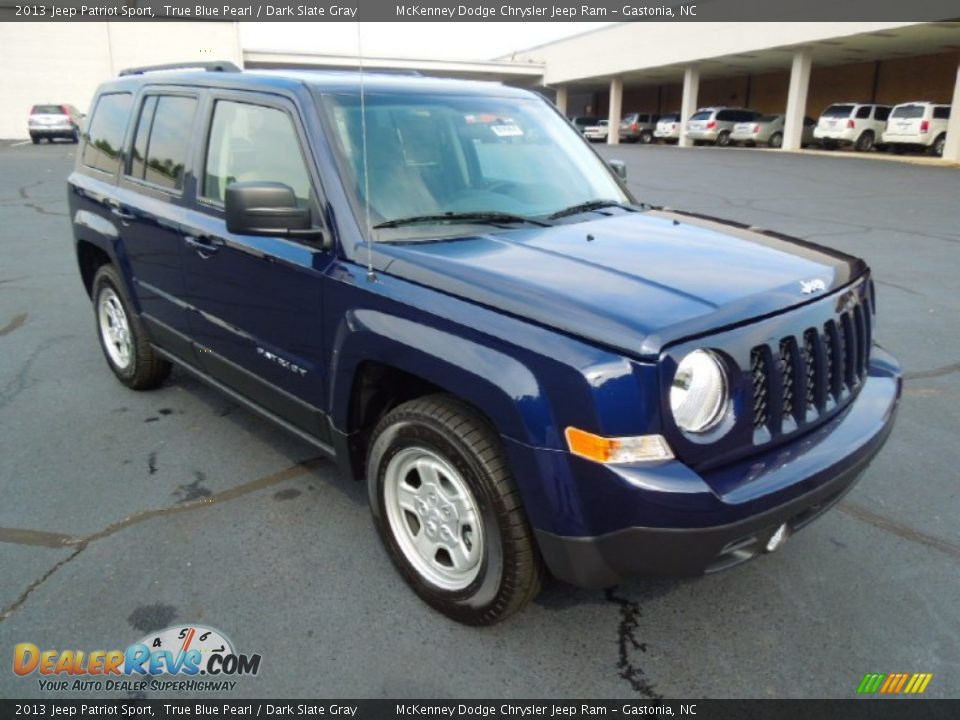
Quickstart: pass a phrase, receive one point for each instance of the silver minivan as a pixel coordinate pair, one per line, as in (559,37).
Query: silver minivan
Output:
(714,125)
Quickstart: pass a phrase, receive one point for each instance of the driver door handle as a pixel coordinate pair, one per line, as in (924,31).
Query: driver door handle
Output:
(204,246)
(117,210)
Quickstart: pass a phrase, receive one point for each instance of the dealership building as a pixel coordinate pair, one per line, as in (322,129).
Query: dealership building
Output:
(794,68)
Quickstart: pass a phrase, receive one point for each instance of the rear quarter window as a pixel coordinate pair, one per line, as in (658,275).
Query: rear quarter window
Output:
(882,113)
(941,113)
(863,112)
(104,142)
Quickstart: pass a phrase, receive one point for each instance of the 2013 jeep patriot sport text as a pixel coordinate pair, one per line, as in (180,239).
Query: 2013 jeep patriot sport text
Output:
(440,284)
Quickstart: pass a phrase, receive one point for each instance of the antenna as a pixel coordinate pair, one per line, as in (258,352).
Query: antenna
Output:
(371,276)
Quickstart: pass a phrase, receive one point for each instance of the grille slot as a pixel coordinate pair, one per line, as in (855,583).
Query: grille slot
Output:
(811,366)
(800,377)
(761,387)
(788,380)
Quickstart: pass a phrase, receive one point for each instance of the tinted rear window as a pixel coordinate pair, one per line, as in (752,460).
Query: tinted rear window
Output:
(941,113)
(704,115)
(671,117)
(907,112)
(105,133)
(47,110)
(838,111)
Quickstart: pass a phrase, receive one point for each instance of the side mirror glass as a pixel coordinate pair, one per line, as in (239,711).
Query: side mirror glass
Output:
(619,167)
(267,208)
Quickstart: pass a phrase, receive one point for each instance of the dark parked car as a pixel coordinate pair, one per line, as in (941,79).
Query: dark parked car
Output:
(47,122)
(441,285)
(582,122)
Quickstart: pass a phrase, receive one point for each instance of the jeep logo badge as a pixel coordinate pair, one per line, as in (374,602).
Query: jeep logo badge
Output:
(809,287)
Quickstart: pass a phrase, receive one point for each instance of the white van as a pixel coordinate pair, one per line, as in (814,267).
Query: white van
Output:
(921,125)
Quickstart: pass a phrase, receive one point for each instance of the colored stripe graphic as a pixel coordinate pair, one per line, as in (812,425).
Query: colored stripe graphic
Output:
(894,683)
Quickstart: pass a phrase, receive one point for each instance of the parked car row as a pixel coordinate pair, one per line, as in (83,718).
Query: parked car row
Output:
(917,125)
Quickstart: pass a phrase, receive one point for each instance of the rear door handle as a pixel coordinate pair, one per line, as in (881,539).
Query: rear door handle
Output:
(205,247)
(117,210)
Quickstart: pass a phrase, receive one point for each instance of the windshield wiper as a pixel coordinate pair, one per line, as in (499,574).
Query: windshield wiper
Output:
(477,217)
(588,206)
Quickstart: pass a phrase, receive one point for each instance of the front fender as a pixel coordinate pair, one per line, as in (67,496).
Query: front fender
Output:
(500,386)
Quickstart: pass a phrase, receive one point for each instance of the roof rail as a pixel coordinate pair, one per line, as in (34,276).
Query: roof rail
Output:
(208,65)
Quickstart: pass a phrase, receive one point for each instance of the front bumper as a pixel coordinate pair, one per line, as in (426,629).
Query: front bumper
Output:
(697,524)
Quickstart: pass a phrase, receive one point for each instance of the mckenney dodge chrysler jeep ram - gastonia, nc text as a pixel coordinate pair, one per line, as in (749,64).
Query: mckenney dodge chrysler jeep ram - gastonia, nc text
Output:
(440,284)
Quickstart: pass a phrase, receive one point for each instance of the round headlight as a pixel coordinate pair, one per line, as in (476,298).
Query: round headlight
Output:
(698,395)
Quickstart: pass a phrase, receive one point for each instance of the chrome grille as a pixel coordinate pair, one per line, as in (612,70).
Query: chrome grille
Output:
(803,376)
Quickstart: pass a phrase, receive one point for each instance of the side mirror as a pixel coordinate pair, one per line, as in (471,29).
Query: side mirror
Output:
(619,167)
(267,208)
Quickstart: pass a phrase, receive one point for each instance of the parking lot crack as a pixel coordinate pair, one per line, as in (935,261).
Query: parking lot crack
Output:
(41,538)
(627,642)
(900,530)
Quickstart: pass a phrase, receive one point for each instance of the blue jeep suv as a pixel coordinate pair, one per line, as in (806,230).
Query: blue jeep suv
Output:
(441,285)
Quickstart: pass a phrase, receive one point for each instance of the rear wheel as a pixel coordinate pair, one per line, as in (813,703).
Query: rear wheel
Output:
(122,336)
(646,137)
(35,139)
(865,141)
(723,139)
(776,140)
(938,145)
(446,508)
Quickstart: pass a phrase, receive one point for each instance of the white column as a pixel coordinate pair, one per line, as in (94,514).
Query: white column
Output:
(562,99)
(951,150)
(688,104)
(616,104)
(797,100)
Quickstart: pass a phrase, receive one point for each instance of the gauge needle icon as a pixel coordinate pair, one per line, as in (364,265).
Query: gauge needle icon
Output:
(186,645)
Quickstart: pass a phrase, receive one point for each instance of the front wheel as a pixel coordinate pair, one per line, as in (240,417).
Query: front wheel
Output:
(776,140)
(122,335)
(446,508)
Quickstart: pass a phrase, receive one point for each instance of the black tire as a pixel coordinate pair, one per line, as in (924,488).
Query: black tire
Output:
(35,140)
(776,140)
(865,141)
(146,369)
(75,138)
(723,139)
(938,145)
(510,572)
(646,137)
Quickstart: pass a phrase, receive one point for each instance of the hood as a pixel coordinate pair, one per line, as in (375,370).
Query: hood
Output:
(635,281)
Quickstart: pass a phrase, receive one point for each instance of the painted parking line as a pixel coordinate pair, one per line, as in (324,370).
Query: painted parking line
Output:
(22,142)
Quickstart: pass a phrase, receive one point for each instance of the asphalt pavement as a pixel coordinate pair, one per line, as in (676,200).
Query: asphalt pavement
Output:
(122,513)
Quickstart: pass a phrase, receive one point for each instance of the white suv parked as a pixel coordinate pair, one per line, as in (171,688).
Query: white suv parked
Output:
(857,124)
(917,124)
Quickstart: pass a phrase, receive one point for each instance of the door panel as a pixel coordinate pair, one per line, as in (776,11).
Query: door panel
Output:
(150,207)
(257,301)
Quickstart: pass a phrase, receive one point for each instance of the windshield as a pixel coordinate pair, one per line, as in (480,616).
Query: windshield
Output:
(431,154)
(840,111)
(907,111)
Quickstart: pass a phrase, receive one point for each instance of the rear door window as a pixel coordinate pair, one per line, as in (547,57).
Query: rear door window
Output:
(881,113)
(104,144)
(941,113)
(162,141)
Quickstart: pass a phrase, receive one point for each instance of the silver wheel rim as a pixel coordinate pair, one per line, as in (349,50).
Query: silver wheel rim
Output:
(114,328)
(434,518)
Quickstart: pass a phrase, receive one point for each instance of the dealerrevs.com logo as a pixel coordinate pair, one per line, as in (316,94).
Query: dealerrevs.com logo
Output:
(182,658)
